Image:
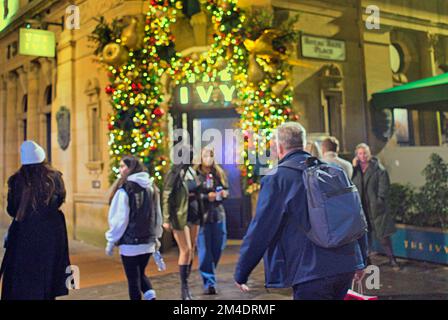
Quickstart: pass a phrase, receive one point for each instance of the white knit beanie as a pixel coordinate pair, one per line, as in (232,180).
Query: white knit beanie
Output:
(31,153)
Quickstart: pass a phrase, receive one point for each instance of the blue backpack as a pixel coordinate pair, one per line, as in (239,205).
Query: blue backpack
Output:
(335,214)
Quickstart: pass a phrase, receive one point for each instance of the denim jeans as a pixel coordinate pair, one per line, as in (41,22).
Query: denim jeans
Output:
(211,243)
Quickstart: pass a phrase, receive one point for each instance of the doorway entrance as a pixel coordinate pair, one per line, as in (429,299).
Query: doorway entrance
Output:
(196,122)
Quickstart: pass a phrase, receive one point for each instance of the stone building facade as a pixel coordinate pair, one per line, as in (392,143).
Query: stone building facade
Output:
(332,93)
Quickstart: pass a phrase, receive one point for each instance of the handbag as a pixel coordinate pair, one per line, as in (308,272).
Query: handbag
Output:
(359,293)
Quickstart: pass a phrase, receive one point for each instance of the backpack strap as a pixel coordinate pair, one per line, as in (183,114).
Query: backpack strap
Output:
(301,166)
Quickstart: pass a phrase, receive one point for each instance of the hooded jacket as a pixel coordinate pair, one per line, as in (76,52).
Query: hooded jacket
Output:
(120,217)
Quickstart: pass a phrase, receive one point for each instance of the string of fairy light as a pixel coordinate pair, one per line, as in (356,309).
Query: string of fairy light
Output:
(136,88)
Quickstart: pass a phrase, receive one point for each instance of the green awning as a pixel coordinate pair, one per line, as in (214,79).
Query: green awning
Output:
(426,94)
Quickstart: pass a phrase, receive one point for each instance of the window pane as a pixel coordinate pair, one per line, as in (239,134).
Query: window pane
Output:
(402,126)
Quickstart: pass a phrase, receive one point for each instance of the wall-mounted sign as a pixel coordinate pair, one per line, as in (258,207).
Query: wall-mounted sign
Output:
(8,9)
(40,43)
(323,48)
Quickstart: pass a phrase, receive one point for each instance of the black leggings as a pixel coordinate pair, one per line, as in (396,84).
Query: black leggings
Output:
(134,267)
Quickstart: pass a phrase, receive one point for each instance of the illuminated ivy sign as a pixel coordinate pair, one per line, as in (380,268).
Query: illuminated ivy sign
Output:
(8,9)
(38,43)
(206,93)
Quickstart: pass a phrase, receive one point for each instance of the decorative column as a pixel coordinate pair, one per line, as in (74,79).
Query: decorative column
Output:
(430,124)
(3,178)
(11,141)
(33,105)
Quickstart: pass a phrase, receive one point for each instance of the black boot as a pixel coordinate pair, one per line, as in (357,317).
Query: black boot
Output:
(190,266)
(185,290)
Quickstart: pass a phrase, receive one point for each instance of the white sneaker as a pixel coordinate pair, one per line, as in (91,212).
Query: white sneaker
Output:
(149,295)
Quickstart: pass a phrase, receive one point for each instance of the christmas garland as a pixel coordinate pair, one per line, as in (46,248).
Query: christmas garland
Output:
(140,54)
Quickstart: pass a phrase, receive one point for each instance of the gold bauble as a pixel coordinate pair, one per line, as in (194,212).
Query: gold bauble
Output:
(115,54)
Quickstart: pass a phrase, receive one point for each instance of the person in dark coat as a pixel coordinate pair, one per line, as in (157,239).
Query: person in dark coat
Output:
(290,258)
(36,262)
(373,183)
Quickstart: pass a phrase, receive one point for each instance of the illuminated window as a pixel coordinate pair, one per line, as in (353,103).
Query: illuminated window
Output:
(396,58)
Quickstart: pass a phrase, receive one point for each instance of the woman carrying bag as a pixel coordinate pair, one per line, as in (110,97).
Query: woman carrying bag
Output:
(212,234)
(135,225)
(36,262)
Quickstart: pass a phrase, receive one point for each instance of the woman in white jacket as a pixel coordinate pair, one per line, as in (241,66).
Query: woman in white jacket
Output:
(135,225)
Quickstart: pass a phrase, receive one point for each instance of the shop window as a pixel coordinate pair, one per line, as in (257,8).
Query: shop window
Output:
(396,58)
(93,115)
(94,134)
(25,104)
(24,120)
(48,135)
(24,125)
(49,95)
(403,127)
(444,125)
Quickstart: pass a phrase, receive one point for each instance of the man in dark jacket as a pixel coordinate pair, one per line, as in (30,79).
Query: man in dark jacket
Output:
(290,258)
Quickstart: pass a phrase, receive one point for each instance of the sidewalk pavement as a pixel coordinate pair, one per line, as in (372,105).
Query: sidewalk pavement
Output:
(102,277)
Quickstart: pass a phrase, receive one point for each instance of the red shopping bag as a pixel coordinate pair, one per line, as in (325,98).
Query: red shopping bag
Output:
(359,294)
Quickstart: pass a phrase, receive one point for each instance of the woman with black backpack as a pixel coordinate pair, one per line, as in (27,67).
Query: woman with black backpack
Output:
(135,225)
(36,262)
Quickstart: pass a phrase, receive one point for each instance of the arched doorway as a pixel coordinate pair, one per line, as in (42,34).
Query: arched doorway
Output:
(199,108)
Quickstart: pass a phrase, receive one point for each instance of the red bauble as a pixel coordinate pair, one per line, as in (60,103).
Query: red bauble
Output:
(159,112)
(110,90)
(153,148)
(110,127)
(250,181)
(261,94)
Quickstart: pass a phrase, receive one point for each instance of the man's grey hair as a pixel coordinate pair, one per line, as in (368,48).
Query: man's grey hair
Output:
(291,135)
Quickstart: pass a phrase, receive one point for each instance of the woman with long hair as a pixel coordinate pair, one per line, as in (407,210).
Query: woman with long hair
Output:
(373,183)
(212,234)
(37,257)
(135,225)
(182,216)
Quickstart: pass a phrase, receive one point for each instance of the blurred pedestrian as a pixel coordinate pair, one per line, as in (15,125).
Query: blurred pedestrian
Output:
(212,234)
(37,256)
(181,214)
(313,149)
(373,183)
(330,150)
(291,259)
(135,225)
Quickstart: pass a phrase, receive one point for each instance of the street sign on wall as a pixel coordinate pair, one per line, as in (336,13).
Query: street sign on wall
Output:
(40,43)
(323,48)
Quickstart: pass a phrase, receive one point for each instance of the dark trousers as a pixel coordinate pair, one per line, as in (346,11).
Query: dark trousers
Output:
(329,288)
(134,267)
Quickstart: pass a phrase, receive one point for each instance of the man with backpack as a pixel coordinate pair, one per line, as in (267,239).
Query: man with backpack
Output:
(312,236)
